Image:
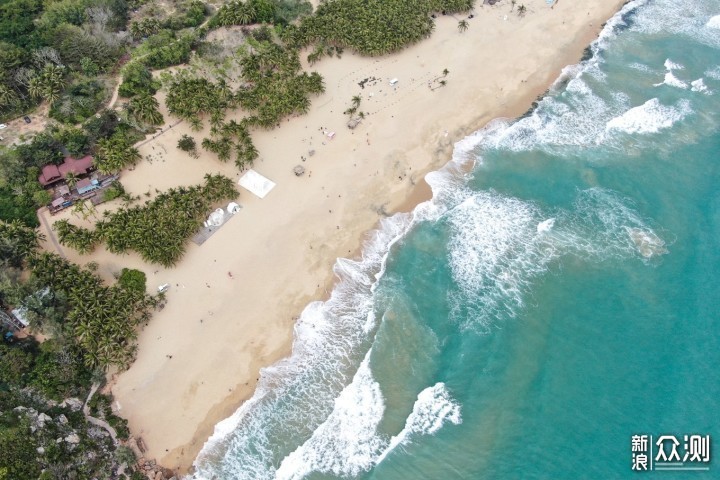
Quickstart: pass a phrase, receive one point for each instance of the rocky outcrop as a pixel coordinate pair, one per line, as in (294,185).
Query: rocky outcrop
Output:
(153,471)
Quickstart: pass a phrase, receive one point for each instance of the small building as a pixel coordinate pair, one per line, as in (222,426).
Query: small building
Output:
(49,175)
(86,185)
(12,322)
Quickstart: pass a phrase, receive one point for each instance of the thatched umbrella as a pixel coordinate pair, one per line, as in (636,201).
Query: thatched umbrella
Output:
(298,170)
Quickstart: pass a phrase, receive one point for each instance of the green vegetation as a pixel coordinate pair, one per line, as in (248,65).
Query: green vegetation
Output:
(274,87)
(42,436)
(137,79)
(144,109)
(46,47)
(102,320)
(79,102)
(132,279)
(187,144)
(114,191)
(372,27)
(115,153)
(82,240)
(192,98)
(160,229)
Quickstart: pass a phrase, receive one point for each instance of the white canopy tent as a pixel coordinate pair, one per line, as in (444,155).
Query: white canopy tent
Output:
(256,183)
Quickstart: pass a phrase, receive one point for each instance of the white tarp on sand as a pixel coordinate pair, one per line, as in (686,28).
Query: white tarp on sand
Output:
(256,183)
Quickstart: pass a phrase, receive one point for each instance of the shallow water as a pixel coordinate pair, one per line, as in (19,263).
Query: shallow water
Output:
(541,309)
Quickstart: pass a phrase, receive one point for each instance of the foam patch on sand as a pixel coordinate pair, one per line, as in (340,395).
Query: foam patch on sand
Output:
(650,117)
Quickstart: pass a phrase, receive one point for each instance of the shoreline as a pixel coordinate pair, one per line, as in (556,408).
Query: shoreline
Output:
(247,323)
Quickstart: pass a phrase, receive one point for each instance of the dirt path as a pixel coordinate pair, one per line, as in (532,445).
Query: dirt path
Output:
(51,234)
(97,421)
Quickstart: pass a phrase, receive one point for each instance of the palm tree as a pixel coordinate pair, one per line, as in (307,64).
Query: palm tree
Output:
(445,72)
(521,11)
(463,26)
(71,179)
(144,107)
(356,100)
(48,83)
(114,154)
(8,98)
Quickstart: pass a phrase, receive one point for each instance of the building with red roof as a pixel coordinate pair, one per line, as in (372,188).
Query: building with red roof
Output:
(54,173)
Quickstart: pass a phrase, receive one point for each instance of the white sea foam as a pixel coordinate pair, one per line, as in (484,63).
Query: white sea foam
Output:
(647,242)
(699,86)
(670,65)
(347,443)
(714,22)
(546,225)
(497,249)
(689,18)
(642,67)
(650,117)
(433,408)
(672,81)
(299,392)
(713,72)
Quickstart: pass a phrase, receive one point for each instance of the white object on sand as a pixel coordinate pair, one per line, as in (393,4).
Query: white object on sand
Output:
(216,218)
(394,82)
(164,287)
(233,208)
(256,183)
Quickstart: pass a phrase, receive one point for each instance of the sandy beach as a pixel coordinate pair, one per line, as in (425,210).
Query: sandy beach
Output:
(232,301)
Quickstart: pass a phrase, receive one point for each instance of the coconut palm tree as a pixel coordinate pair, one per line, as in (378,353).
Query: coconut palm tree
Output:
(71,179)
(114,154)
(521,11)
(48,83)
(144,107)
(8,98)
(463,26)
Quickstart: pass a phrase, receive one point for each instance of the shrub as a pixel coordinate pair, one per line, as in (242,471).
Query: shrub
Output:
(132,279)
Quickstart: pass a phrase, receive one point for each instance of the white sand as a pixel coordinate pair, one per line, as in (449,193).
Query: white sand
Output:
(219,330)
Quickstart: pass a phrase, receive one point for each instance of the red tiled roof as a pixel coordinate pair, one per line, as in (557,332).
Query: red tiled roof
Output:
(52,173)
(78,167)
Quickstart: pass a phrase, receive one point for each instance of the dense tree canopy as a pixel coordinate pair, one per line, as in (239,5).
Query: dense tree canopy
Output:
(103,319)
(159,230)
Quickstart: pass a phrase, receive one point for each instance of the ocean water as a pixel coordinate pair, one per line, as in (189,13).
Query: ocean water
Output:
(559,294)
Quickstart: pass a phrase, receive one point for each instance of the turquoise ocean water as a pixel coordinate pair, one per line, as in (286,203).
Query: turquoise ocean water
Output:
(559,294)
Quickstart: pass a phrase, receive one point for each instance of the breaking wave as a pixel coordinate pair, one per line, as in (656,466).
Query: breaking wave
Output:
(650,117)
